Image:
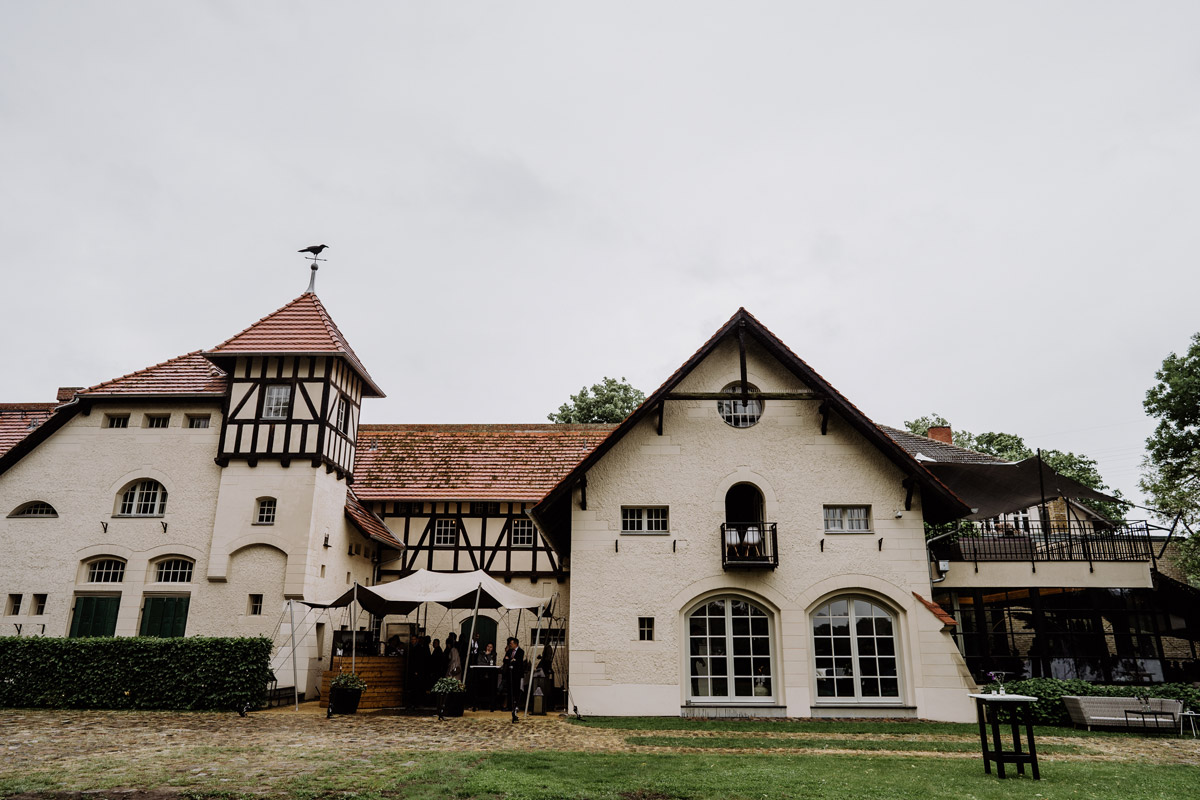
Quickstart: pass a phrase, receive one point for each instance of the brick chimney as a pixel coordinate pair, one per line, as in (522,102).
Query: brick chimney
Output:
(67,393)
(942,433)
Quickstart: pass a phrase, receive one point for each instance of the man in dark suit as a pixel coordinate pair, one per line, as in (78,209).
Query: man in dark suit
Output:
(514,670)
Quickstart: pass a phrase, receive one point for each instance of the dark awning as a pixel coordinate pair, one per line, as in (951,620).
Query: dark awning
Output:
(994,489)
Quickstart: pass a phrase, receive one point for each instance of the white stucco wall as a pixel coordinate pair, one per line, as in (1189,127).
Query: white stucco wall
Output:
(618,577)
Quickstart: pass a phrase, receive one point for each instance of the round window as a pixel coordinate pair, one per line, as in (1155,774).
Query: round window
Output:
(743,411)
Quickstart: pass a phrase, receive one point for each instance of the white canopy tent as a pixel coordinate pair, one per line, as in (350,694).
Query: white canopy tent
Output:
(473,590)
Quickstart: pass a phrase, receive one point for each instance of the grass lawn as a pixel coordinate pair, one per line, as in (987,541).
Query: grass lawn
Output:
(633,776)
(857,727)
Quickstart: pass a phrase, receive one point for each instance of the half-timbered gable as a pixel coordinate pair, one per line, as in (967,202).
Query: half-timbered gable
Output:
(295,390)
(457,495)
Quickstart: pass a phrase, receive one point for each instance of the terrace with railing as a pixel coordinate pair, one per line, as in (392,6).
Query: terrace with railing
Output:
(1059,541)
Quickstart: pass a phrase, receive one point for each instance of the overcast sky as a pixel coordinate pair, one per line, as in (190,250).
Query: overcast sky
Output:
(985,210)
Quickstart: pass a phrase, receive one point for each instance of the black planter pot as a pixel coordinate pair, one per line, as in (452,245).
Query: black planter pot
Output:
(344,701)
(451,705)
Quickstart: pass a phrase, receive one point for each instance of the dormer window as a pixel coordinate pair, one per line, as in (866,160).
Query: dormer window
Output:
(147,498)
(277,401)
(742,412)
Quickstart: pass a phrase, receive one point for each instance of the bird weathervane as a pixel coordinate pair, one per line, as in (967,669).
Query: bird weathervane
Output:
(313,251)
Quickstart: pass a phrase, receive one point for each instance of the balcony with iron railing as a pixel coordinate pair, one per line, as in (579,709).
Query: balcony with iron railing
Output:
(749,545)
(1057,541)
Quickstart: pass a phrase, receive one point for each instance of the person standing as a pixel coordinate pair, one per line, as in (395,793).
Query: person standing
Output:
(514,670)
(453,657)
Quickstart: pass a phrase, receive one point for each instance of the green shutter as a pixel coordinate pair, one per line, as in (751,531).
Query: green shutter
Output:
(164,616)
(95,616)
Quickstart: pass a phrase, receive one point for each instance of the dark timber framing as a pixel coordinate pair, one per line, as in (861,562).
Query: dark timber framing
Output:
(493,551)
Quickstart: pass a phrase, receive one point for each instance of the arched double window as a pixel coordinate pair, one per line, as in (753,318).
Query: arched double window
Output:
(173,570)
(729,652)
(143,498)
(854,642)
(106,570)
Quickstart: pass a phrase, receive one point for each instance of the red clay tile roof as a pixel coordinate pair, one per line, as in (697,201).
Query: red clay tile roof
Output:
(18,420)
(936,610)
(468,462)
(933,450)
(368,523)
(188,374)
(301,326)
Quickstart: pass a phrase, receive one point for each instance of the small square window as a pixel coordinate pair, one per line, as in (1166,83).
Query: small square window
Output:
(445,533)
(646,629)
(277,401)
(197,420)
(158,420)
(116,420)
(39,605)
(645,520)
(256,605)
(522,533)
(266,511)
(847,519)
(14,605)
(485,509)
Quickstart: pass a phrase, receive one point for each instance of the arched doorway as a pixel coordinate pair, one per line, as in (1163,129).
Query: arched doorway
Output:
(729,652)
(487,633)
(743,504)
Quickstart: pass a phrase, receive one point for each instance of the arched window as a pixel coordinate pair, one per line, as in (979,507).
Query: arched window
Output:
(729,652)
(740,413)
(173,570)
(35,508)
(106,570)
(854,642)
(264,512)
(144,498)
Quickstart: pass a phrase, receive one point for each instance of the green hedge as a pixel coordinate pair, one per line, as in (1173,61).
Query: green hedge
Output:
(1049,709)
(194,673)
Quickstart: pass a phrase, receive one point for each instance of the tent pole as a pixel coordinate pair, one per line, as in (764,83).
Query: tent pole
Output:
(474,621)
(353,627)
(295,680)
(529,688)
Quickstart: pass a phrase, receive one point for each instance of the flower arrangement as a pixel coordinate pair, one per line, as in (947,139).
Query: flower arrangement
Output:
(448,686)
(998,678)
(347,680)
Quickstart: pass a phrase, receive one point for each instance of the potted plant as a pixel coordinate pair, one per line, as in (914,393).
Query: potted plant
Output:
(451,695)
(345,690)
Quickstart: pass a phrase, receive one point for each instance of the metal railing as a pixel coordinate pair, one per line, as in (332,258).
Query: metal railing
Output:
(749,545)
(1061,541)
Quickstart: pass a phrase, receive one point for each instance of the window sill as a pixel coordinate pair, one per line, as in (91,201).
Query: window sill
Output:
(262,524)
(138,516)
(645,533)
(849,533)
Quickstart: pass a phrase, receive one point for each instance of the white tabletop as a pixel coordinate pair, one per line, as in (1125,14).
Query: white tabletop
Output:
(1003,698)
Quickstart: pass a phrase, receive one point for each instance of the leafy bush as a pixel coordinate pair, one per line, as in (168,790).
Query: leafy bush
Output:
(448,686)
(347,680)
(1049,708)
(195,673)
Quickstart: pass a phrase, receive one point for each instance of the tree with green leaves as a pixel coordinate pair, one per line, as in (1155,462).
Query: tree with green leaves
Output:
(610,401)
(1012,447)
(1171,469)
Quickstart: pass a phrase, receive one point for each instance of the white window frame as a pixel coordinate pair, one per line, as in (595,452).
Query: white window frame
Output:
(445,532)
(856,657)
(265,511)
(36,509)
(738,413)
(706,667)
(174,570)
(527,535)
(646,520)
(117,421)
(848,519)
(157,421)
(645,629)
(255,605)
(106,570)
(198,421)
(277,401)
(343,414)
(144,498)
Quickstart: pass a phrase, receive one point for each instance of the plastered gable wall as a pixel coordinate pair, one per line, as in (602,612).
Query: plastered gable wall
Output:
(81,470)
(616,578)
